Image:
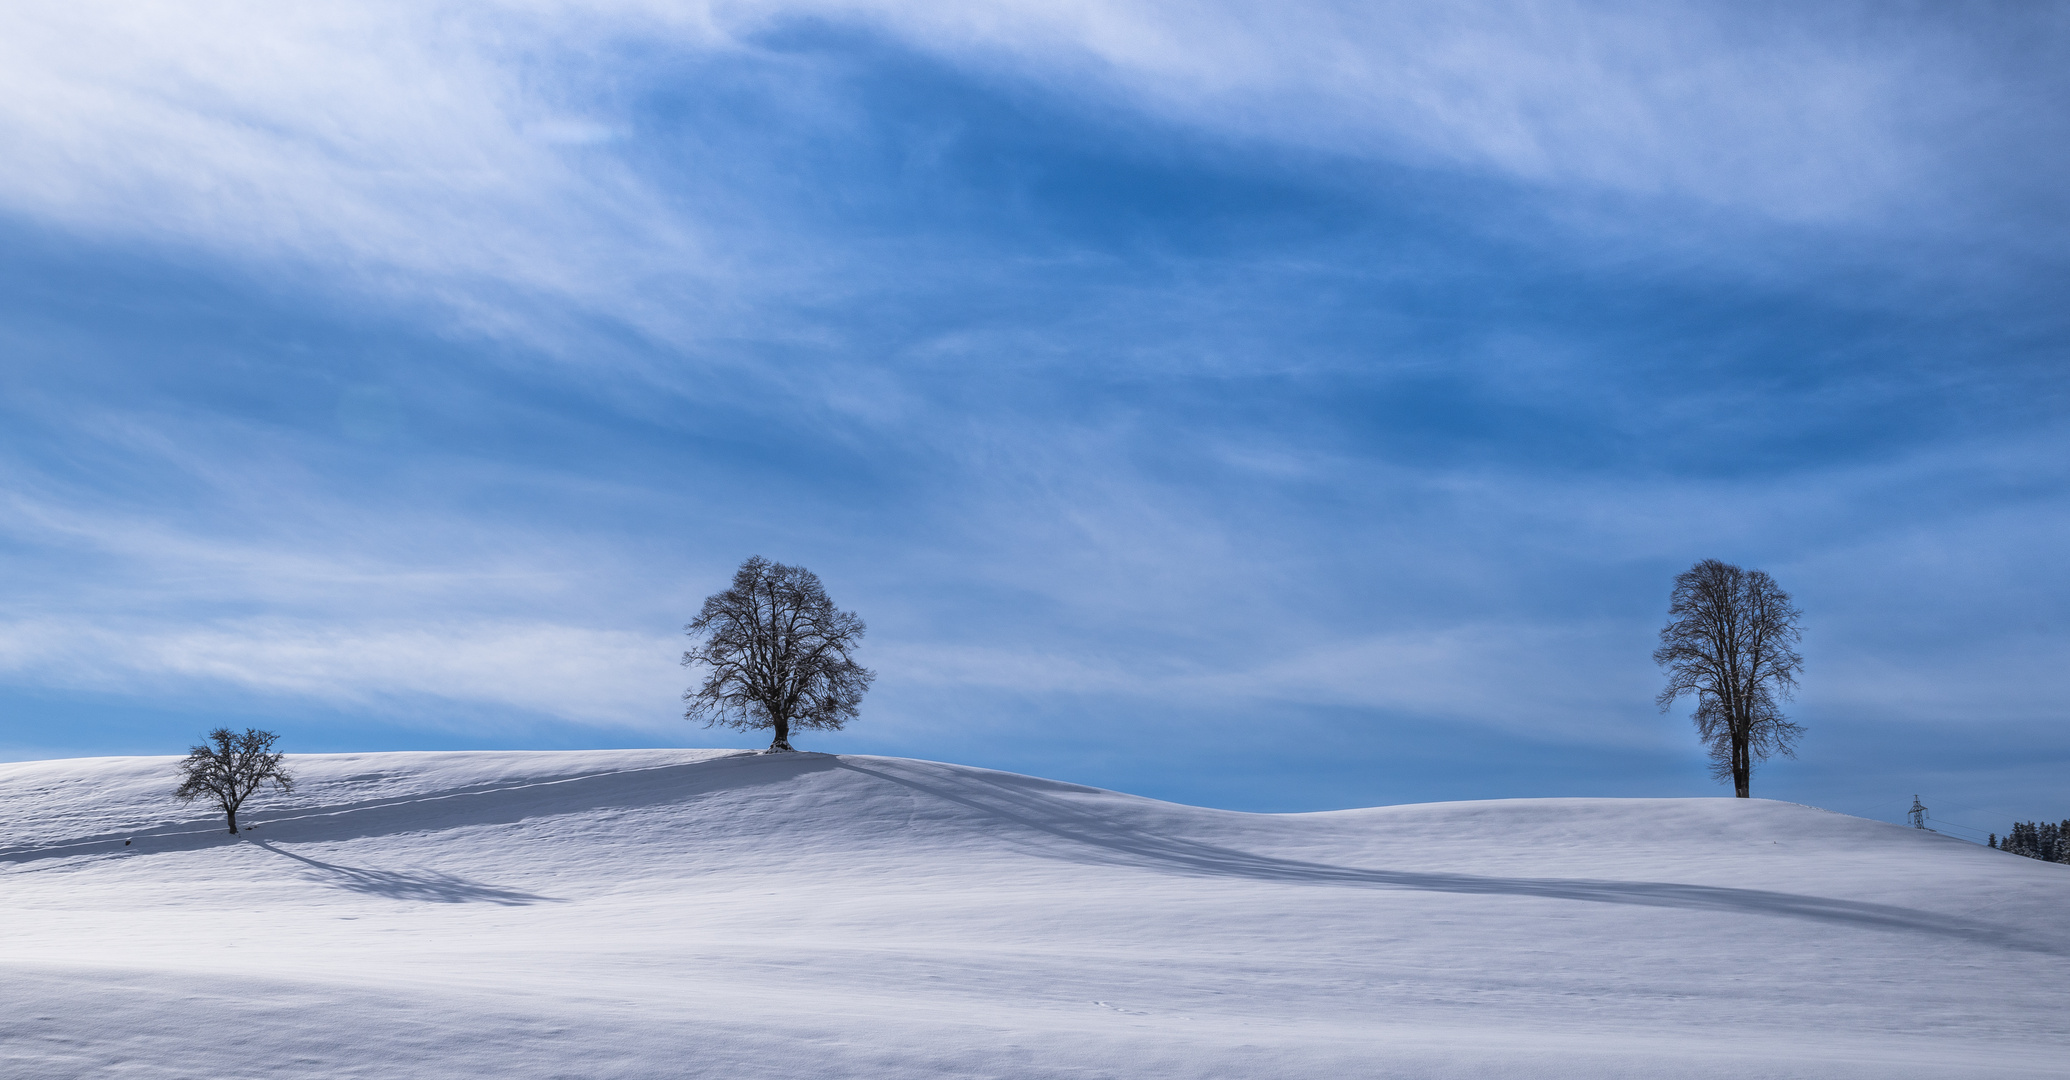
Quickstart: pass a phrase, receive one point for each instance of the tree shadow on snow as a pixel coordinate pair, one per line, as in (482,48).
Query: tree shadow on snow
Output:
(409,884)
(1094,838)
(311,816)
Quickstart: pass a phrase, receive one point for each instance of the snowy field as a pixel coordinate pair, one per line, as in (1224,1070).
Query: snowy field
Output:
(673,913)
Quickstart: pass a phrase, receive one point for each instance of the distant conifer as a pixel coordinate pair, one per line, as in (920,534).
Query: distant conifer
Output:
(2048,841)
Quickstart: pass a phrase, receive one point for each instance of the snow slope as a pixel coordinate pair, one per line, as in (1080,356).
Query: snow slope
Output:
(723,914)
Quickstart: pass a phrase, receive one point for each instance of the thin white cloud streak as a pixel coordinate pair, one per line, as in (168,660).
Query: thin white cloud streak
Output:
(1545,681)
(2014,681)
(343,624)
(1761,112)
(315,555)
(582,675)
(346,622)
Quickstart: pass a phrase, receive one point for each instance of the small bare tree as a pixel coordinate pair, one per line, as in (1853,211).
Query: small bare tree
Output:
(778,654)
(229,767)
(1729,641)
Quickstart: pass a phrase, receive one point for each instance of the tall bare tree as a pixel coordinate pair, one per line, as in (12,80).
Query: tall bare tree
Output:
(229,768)
(778,654)
(1730,641)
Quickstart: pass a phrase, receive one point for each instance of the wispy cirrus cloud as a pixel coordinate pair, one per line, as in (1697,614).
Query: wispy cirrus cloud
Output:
(1381,361)
(1731,106)
(438,674)
(492,153)
(428,151)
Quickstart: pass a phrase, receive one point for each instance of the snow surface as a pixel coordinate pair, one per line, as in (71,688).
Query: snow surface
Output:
(718,913)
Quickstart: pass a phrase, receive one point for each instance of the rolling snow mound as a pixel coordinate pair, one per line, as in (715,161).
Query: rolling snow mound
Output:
(719,913)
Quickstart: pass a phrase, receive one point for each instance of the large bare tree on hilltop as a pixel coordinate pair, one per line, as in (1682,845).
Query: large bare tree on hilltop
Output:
(1730,641)
(229,768)
(778,654)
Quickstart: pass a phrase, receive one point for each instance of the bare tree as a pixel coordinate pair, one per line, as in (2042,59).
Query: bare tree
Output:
(778,654)
(229,767)
(1729,641)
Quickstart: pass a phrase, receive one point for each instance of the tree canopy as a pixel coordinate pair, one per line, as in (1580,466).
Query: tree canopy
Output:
(229,768)
(777,654)
(1730,642)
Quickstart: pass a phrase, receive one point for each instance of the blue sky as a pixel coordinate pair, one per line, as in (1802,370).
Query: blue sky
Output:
(1271,406)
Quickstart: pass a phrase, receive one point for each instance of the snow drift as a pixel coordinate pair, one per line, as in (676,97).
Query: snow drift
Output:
(645,914)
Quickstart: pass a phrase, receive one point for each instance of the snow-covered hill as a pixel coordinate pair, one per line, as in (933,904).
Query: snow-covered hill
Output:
(721,914)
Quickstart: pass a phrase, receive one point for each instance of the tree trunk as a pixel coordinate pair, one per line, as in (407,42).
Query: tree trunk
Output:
(1742,763)
(782,743)
(231,813)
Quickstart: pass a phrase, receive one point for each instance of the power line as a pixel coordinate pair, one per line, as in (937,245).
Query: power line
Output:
(1943,825)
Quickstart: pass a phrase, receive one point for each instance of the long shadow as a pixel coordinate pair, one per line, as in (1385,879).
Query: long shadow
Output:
(477,804)
(410,885)
(1093,839)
